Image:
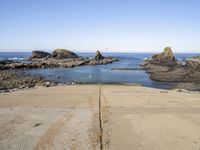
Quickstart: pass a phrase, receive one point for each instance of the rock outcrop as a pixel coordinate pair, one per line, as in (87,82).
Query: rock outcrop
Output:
(98,56)
(166,58)
(39,54)
(63,53)
(164,67)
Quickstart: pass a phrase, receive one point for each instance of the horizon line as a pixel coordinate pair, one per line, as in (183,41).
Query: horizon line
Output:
(105,52)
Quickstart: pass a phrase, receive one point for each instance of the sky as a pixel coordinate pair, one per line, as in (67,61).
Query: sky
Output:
(106,25)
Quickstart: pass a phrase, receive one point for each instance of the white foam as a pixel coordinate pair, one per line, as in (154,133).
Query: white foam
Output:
(16,58)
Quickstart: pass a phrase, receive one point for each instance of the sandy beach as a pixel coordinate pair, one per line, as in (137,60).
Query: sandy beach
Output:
(84,117)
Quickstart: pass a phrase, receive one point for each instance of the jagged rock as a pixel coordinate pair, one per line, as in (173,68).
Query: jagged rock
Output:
(165,58)
(164,67)
(98,56)
(63,53)
(39,54)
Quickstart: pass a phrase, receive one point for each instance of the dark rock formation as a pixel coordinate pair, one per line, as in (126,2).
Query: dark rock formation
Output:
(39,54)
(63,53)
(165,58)
(98,56)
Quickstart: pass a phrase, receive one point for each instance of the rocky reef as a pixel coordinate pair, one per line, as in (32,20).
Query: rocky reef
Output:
(165,67)
(58,58)
(13,80)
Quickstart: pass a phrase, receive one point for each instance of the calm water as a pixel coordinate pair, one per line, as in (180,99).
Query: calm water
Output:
(100,73)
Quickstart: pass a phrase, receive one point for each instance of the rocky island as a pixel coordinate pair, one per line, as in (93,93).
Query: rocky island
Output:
(58,58)
(165,67)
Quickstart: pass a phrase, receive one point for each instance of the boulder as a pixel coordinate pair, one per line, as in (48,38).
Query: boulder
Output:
(165,58)
(40,54)
(98,56)
(47,84)
(164,67)
(63,53)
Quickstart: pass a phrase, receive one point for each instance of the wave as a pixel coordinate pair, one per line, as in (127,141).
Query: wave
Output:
(16,58)
(146,58)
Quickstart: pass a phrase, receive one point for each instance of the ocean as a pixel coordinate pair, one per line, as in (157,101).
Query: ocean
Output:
(99,73)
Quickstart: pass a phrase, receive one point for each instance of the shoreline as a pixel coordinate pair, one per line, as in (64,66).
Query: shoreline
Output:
(15,80)
(162,90)
(16,77)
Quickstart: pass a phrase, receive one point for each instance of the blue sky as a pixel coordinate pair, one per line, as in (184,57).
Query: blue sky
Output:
(108,25)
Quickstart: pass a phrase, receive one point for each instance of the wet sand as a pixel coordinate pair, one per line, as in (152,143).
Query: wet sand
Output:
(82,117)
